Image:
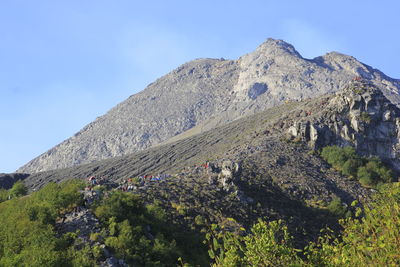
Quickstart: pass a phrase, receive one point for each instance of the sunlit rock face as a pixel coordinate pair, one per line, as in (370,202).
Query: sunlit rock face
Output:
(360,116)
(205,93)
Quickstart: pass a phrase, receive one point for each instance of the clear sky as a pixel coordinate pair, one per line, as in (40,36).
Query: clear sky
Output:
(64,63)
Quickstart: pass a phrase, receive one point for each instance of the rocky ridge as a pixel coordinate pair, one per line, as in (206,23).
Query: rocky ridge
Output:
(262,165)
(205,93)
(360,116)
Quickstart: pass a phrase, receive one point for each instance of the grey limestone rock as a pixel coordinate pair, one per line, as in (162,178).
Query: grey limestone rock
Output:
(360,116)
(205,93)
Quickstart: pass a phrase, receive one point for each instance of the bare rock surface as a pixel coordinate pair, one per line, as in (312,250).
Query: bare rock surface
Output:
(360,116)
(205,93)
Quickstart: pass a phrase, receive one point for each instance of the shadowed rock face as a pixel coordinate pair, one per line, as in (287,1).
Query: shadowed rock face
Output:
(209,92)
(256,90)
(7,180)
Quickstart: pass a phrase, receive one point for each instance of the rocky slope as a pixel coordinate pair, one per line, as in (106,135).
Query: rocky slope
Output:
(205,93)
(261,165)
(276,138)
(360,116)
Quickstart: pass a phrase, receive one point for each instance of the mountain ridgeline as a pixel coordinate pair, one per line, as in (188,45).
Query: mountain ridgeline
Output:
(204,93)
(248,162)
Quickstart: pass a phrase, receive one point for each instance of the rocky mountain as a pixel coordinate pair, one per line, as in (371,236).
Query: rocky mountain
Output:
(280,138)
(205,93)
(261,165)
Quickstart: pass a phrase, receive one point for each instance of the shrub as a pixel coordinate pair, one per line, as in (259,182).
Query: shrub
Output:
(18,189)
(3,194)
(369,171)
(366,177)
(337,208)
(121,206)
(351,166)
(337,156)
(268,244)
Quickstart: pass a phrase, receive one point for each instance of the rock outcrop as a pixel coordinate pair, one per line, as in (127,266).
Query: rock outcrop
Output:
(205,93)
(224,174)
(360,116)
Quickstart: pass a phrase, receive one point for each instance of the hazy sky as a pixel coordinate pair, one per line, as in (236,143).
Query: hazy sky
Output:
(64,63)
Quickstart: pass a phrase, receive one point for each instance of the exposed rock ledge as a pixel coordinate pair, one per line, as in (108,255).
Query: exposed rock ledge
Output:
(360,116)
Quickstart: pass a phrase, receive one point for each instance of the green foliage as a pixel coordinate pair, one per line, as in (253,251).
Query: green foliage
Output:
(268,244)
(372,240)
(337,208)
(18,189)
(369,241)
(27,236)
(3,195)
(369,171)
(121,206)
(140,234)
(350,167)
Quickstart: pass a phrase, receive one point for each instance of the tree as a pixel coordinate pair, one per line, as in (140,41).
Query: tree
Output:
(18,189)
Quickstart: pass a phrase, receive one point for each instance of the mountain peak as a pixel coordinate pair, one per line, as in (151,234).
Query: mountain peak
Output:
(272,46)
(207,92)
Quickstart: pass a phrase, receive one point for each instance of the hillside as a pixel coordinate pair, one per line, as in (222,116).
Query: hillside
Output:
(205,93)
(265,165)
(278,175)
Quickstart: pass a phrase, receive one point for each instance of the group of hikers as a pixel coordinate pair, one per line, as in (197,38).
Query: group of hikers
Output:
(131,184)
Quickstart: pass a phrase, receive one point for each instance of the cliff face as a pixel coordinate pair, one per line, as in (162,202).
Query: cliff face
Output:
(360,116)
(207,93)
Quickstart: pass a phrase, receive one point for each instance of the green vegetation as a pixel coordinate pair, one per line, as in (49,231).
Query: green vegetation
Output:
(369,241)
(169,232)
(337,208)
(141,236)
(369,171)
(27,233)
(133,231)
(267,244)
(18,190)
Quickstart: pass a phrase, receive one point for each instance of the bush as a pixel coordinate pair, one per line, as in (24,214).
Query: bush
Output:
(3,194)
(366,177)
(18,189)
(334,155)
(337,208)
(369,171)
(268,244)
(121,206)
(140,234)
(350,167)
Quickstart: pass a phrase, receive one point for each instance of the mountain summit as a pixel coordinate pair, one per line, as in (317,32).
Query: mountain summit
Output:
(204,93)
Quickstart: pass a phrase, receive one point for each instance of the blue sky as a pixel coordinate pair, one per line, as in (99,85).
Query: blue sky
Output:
(64,63)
